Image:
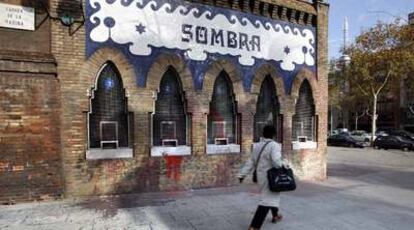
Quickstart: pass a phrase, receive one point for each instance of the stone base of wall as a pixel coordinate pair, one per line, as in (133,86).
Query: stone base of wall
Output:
(151,174)
(309,164)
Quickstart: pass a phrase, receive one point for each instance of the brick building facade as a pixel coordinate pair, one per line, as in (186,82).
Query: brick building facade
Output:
(52,77)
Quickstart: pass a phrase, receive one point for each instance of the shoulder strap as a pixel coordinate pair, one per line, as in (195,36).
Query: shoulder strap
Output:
(260,154)
(282,158)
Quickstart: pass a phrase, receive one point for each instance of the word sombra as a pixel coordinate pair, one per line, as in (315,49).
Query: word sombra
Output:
(223,38)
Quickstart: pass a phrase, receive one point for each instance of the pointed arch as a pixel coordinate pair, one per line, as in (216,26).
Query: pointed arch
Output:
(215,69)
(304,74)
(304,120)
(222,118)
(162,64)
(93,66)
(108,115)
(264,71)
(170,118)
(267,108)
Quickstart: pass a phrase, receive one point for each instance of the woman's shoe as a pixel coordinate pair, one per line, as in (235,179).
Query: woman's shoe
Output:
(277,218)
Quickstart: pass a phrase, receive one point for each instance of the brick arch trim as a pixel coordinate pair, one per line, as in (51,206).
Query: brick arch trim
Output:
(260,76)
(214,70)
(308,75)
(89,72)
(160,66)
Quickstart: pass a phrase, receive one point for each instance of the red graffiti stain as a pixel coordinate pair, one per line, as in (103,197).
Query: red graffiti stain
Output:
(112,170)
(173,164)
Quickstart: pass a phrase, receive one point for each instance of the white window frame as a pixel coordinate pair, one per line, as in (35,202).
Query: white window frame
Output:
(308,144)
(213,149)
(168,123)
(101,123)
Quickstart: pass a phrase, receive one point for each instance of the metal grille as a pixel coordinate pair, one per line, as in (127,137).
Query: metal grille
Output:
(304,119)
(109,131)
(169,120)
(168,130)
(222,111)
(219,129)
(109,107)
(267,108)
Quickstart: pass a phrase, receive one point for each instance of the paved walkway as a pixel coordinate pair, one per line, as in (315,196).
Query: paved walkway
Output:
(367,189)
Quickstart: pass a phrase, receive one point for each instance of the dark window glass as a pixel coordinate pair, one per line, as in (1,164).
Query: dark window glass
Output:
(169,120)
(222,118)
(304,119)
(267,108)
(108,120)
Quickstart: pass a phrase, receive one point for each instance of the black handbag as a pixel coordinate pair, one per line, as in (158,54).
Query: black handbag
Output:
(281,179)
(254,178)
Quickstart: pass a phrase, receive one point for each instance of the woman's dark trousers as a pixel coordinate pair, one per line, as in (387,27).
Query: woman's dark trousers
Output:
(260,215)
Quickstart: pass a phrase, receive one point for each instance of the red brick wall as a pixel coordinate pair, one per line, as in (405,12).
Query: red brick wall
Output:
(51,114)
(30,148)
(30,162)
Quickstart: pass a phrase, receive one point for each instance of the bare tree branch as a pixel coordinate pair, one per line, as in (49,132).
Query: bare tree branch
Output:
(388,13)
(384,83)
(360,88)
(373,90)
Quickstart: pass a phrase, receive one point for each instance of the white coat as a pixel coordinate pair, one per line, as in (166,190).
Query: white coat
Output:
(271,157)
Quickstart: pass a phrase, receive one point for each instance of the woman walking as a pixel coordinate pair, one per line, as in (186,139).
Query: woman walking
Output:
(266,154)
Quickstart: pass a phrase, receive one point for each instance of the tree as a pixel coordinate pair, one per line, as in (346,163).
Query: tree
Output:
(343,99)
(380,57)
(336,91)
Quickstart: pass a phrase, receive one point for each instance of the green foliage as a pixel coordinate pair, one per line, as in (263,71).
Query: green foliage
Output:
(380,57)
(341,96)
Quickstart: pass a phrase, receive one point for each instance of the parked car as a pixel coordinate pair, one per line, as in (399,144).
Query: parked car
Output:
(339,131)
(381,133)
(361,135)
(393,142)
(344,140)
(375,136)
(402,133)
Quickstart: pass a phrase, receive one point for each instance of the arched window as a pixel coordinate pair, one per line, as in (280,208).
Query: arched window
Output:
(222,119)
(304,124)
(108,118)
(170,120)
(267,108)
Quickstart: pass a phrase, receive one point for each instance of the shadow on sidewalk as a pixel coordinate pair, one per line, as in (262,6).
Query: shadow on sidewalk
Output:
(110,206)
(373,175)
(342,193)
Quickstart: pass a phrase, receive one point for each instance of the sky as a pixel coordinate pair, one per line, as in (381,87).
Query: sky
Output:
(361,14)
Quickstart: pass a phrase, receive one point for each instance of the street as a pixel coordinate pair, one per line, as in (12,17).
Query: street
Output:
(366,189)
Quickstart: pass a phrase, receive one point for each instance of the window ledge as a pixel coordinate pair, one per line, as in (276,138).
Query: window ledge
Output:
(219,149)
(181,150)
(304,145)
(98,154)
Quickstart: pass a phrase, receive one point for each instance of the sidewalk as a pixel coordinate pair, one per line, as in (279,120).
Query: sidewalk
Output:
(356,196)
